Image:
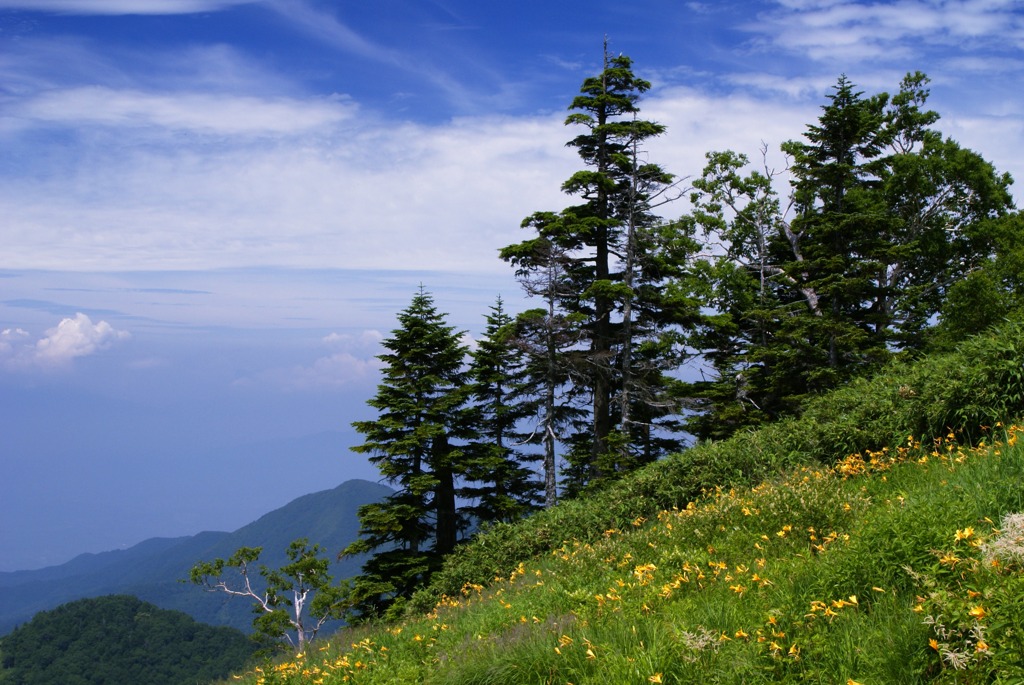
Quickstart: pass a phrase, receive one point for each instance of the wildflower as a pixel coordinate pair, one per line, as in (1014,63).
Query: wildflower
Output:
(934,644)
(590,654)
(949,558)
(656,678)
(978,612)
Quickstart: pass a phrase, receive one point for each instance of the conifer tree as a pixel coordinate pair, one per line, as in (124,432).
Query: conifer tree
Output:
(884,217)
(500,479)
(548,340)
(610,241)
(418,443)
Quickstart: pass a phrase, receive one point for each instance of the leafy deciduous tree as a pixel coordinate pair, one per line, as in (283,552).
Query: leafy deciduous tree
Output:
(300,596)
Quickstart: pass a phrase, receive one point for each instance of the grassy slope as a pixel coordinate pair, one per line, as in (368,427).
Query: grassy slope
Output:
(822,572)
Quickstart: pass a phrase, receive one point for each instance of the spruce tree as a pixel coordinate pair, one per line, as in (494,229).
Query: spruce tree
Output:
(418,443)
(549,342)
(501,483)
(610,240)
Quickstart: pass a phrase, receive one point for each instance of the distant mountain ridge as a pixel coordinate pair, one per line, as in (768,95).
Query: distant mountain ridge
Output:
(152,570)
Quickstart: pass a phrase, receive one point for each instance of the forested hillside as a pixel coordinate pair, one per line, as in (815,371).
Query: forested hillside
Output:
(154,569)
(875,539)
(119,639)
(638,480)
(879,240)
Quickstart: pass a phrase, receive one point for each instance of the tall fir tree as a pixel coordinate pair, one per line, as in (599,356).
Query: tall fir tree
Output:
(501,482)
(549,340)
(418,443)
(609,240)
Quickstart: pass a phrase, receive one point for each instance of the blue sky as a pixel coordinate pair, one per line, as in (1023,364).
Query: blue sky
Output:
(213,209)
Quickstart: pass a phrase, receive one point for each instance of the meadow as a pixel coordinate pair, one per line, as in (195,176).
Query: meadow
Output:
(834,549)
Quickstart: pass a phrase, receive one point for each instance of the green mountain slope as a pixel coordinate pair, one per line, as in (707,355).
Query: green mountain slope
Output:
(119,639)
(152,569)
(873,540)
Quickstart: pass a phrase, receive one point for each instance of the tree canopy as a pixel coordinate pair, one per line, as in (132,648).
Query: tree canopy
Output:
(120,639)
(880,238)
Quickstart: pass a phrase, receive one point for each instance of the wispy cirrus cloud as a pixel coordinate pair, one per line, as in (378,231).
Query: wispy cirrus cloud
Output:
(192,112)
(114,7)
(831,30)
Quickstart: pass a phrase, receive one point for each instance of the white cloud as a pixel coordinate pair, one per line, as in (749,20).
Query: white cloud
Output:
(333,371)
(365,340)
(304,182)
(68,340)
(352,360)
(122,6)
(831,30)
(10,340)
(368,195)
(190,112)
(77,337)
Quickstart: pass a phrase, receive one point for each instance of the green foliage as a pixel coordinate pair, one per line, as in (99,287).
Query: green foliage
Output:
(418,442)
(962,391)
(611,285)
(886,226)
(299,597)
(894,565)
(500,479)
(119,639)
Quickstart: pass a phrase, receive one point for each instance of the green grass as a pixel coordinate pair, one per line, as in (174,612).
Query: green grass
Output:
(824,575)
(831,548)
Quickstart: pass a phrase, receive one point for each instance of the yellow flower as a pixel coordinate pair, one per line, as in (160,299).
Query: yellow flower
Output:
(978,612)
(934,644)
(656,678)
(950,559)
